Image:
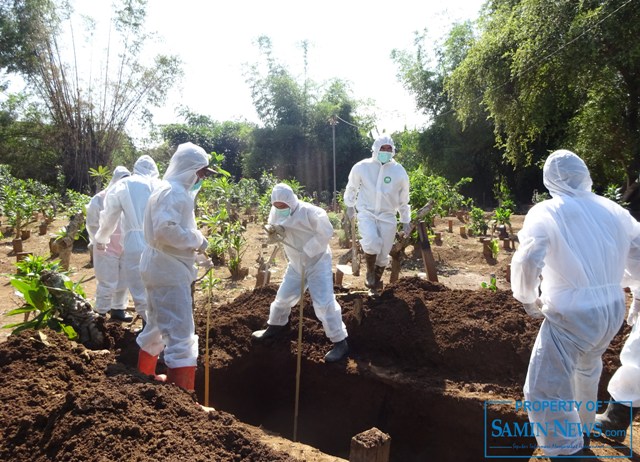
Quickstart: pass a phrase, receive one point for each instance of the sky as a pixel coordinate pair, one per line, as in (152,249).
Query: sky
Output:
(348,39)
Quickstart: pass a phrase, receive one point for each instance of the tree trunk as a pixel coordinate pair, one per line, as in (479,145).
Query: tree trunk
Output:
(61,247)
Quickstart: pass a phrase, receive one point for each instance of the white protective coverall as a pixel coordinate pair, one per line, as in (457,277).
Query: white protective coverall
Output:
(111,287)
(625,383)
(308,230)
(580,244)
(167,264)
(379,192)
(125,204)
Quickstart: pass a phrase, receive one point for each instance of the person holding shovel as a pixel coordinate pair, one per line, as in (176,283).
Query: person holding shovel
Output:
(377,191)
(305,232)
(574,251)
(167,268)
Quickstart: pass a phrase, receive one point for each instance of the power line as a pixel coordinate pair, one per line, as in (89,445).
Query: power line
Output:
(548,56)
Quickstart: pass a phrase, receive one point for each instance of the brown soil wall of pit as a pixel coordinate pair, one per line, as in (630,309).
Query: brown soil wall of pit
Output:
(424,359)
(426,421)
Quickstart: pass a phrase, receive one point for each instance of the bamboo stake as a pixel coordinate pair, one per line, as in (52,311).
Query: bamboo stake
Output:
(299,360)
(206,349)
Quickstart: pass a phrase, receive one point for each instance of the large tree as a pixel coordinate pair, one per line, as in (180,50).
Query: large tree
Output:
(229,138)
(88,110)
(296,138)
(558,73)
(447,147)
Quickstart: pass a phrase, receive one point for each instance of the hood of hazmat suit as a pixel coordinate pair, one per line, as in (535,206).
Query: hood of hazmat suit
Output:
(381,141)
(169,223)
(126,201)
(307,230)
(379,191)
(573,254)
(96,205)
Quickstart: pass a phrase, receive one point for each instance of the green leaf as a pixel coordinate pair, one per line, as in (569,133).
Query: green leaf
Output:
(69,331)
(22,286)
(22,310)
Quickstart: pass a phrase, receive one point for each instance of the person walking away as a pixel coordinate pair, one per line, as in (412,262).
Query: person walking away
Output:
(111,289)
(568,269)
(377,191)
(305,231)
(167,268)
(126,203)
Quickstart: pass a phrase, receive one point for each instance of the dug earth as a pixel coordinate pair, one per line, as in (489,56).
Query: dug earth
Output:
(431,366)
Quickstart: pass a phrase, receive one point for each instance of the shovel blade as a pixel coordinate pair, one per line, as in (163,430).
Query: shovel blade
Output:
(345,269)
(355,267)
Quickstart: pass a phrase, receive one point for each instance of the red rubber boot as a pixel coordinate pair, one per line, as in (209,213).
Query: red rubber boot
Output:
(147,365)
(184,377)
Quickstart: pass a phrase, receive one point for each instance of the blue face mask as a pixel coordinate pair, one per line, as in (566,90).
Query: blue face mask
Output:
(283,212)
(196,186)
(384,156)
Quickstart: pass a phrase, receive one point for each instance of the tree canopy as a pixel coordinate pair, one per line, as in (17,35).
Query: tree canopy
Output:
(87,111)
(556,74)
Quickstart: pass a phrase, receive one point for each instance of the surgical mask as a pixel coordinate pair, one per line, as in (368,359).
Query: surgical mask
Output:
(283,212)
(196,186)
(384,156)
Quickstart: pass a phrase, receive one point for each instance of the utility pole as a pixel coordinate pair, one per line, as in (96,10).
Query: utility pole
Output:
(333,121)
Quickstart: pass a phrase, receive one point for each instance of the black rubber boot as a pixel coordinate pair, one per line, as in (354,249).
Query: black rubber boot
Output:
(617,418)
(120,315)
(269,332)
(379,273)
(339,351)
(370,280)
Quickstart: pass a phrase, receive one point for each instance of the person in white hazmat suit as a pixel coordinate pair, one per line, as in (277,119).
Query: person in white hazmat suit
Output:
(167,268)
(111,288)
(377,190)
(305,233)
(125,204)
(624,386)
(568,269)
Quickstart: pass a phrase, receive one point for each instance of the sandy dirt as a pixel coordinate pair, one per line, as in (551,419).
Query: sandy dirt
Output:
(425,358)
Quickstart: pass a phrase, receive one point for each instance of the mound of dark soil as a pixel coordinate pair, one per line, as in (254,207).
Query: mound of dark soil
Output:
(409,348)
(65,403)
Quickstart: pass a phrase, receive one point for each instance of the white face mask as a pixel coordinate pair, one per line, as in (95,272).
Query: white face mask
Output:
(384,156)
(283,212)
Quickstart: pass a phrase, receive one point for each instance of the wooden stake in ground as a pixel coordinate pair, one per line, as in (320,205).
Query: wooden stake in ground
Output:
(370,446)
(60,247)
(427,256)
(397,251)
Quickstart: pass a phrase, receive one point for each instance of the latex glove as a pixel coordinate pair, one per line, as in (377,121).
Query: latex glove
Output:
(351,212)
(275,233)
(101,247)
(633,311)
(203,247)
(533,309)
(203,261)
(406,229)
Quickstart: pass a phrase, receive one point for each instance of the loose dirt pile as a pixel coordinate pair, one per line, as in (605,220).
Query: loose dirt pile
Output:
(423,359)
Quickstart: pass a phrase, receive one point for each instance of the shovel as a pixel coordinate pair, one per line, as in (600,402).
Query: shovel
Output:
(354,269)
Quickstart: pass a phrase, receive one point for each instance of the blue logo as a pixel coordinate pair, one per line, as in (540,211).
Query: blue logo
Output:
(528,429)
